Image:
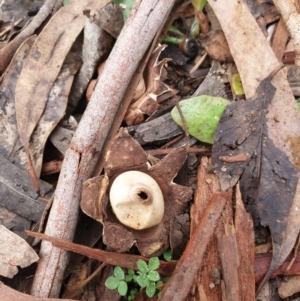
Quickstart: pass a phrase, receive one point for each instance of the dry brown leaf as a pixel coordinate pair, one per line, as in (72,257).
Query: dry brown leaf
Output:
(54,110)
(44,63)
(15,252)
(9,137)
(255,60)
(156,90)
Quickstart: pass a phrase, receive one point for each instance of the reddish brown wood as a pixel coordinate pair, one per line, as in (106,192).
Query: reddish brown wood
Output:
(245,244)
(262,264)
(188,265)
(237,158)
(122,260)
(51,167)
(209,273)
(230,261)
(280,39)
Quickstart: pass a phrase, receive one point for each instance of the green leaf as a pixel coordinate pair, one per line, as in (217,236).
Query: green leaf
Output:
(158,284)
(142,280)
(153,263)
(150,289)
(202,115)
(128,278)
(195,29)
(119,273)
(130,272)
(168,255)
(122,288)
(298,103)
(142,266)
(133,293)
(112,282)
(198,4)
(153,276)
(237,85)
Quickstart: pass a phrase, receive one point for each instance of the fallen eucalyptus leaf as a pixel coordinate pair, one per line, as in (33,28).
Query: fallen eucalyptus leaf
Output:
(10,143)
(202,115)
(14,252)
(43,65)
(54,110)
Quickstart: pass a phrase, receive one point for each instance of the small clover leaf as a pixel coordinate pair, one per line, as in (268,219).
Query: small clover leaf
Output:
(168,255)
(122,288)
(150,289)
(130,275)
(153,276)
(142,280)
(153,263)
(112,282)
(142,266)
(119,273)
(132,294)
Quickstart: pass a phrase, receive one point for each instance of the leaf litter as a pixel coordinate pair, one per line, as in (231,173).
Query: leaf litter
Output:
(244,148)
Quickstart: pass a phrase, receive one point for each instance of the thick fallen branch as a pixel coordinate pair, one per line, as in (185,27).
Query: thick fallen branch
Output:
(90,136)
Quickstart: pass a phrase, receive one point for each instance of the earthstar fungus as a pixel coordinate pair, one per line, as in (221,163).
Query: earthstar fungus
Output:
(154,232)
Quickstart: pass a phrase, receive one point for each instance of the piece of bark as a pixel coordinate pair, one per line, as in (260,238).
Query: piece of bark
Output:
(7,52)
(209,274)
(228,252)
(245,244)
(280,39)
(9,294)
(159,129)
(90,136)
(188,265)
(230,262)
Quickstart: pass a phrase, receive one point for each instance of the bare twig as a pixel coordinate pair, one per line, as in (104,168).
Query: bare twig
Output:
(90,136)
(123,260)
